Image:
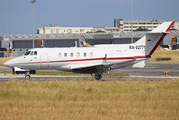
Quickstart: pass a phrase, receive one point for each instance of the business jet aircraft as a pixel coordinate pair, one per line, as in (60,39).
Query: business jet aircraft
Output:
(92,60)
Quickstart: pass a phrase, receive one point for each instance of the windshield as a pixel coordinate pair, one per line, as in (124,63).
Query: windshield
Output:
(27,53)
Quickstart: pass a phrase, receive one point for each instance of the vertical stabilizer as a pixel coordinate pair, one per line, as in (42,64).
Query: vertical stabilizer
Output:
(152,39)
(148,44)
(82,42)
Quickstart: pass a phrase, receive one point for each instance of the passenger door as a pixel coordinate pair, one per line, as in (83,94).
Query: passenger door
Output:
(44,60)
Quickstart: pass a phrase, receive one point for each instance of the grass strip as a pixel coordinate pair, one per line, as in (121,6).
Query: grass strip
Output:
(85,99)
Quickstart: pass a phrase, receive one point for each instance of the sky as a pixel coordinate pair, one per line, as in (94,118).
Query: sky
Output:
(16,15)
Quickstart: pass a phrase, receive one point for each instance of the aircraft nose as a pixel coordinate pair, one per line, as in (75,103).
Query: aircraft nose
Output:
(8,64)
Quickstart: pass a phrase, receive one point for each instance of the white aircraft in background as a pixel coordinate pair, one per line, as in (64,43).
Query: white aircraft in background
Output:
(92,60)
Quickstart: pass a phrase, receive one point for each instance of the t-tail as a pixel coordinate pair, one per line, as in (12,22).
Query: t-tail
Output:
(148,44)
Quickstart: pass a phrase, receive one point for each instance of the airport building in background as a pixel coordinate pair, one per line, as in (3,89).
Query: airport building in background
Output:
(119,26)
(56,29)
(125,26)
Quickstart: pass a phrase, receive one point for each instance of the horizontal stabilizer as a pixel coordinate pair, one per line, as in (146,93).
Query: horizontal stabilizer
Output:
(157,32)
(164,27)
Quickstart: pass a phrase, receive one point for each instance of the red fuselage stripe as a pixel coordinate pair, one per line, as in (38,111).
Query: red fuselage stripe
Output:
(93,59)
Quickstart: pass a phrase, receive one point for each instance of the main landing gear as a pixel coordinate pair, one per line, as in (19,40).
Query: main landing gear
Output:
(98,77)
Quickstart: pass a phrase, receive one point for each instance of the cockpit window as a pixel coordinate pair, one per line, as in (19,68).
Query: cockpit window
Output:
(32,53)
(27,53)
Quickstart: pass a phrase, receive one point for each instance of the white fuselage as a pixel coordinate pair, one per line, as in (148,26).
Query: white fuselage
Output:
(66,59)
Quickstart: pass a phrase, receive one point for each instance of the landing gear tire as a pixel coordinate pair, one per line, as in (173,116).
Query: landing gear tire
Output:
(97,77)
(27,77)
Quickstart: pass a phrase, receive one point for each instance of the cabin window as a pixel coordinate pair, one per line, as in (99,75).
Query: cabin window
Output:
(78,54)
(59,54)
(27,53)
(35,52)
(84,54)
(65,54)
(91,54)
(71,54)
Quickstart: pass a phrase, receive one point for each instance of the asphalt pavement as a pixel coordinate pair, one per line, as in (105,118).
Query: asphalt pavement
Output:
(152,71)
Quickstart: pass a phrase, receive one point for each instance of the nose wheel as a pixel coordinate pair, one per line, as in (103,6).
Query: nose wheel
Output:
(27,77)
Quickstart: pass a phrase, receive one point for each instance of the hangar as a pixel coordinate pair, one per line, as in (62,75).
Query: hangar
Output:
(16,45)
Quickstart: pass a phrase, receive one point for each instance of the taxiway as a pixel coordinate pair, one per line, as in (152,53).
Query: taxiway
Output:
(152,71)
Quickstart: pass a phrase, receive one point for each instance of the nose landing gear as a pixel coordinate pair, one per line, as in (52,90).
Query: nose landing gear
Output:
(27,76)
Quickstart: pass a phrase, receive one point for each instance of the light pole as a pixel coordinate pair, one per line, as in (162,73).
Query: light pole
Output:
(132,21)
(33,1)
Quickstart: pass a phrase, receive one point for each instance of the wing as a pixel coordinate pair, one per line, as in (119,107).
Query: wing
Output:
(94,68)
